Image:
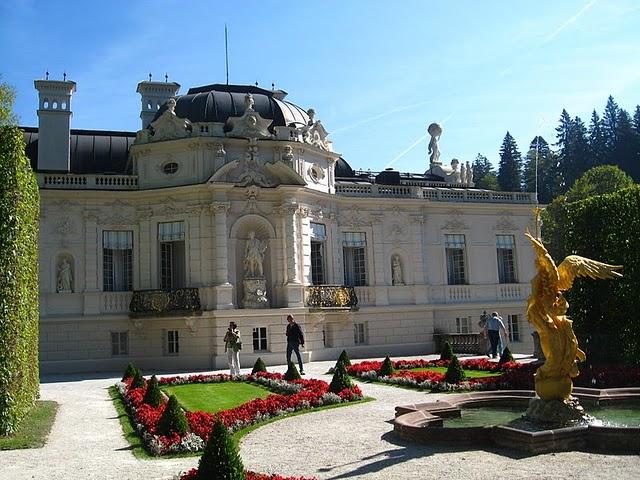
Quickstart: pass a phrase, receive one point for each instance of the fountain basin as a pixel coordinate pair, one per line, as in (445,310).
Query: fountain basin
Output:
(424,423)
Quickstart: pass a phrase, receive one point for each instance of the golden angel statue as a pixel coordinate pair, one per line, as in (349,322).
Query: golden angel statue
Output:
(546,309)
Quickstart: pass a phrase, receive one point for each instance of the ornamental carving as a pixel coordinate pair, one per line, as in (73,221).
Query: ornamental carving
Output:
(355,218)
(116,219)
(505,223)
(169,126)
(253,173)
(455,221)
(64,226)
(332,296)
(250,124)
(161,302)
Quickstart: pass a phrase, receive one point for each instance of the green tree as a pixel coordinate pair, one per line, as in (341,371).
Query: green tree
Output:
(153,395)
(221,457)
(573,149)
(509,172)
(547,169)
(626,151)
(610,126)
(455,372)
(7,97)
(129,372)
(292,373)
(19,316)
(481,167)
(259,366)
(387,367)
(447,352)
(489,182)
(344,359)
(636,119)
(597,181)
(597,141)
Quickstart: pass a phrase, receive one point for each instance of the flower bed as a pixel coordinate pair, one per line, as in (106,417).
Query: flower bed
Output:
(434,381)
(290,397)
(193,475)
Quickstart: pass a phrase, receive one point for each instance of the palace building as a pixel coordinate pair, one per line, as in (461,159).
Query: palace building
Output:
(231,204)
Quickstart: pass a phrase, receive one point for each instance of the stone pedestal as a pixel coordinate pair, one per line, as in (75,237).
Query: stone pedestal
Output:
(255,293)
(556,413)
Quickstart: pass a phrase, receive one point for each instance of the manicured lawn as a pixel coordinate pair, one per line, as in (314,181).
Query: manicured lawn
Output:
(214,397)
(468,373)
(34,429)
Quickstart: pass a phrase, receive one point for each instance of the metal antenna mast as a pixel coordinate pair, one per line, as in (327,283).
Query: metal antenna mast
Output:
(226,51)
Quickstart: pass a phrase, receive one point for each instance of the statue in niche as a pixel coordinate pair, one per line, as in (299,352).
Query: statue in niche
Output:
(396,271)
(254,256)
(435,131)
(64,281)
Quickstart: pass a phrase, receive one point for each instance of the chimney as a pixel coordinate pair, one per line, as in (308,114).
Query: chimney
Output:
(154,94)
(54,123)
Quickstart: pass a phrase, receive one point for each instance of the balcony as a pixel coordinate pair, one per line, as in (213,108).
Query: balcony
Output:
(181,301)
(460,342)
(327,297)
(70,181)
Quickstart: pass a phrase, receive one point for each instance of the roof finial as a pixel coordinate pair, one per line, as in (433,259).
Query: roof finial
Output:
(273,86)
(166,77)
(47,75)
(256,83)
(149,77)
(64,76)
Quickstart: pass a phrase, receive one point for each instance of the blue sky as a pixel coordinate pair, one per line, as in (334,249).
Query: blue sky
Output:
(376,72)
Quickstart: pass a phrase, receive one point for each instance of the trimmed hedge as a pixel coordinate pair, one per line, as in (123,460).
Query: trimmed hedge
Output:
(447,352)
(387,367)
(605,312)
(221,458)
(341,379)
(19,315)
(259,366)
(292,373)
(173,419)
(455,372)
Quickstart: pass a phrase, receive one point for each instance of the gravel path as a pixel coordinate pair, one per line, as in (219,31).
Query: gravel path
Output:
(352,442)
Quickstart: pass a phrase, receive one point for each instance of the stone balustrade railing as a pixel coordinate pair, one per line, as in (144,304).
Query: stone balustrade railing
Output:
(460,342)
(70,181)
(433,193)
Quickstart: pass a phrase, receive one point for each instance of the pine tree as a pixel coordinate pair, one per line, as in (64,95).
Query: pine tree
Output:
(573,149)
(509,172)
(636,119)
(153,395)
(292,373)
(341,379)
(221,457)
(455,373)
(597,142)
(481,167)
(138,379)
(626,151)
(387,367)
(173,419)
(547,185)
(610,126)
(344,359)
(259,366)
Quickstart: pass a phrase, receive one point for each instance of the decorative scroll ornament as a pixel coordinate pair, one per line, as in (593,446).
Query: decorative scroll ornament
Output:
(332,296)
(161,302)
(253,171)
(314,133)
(250,124)
(455,221)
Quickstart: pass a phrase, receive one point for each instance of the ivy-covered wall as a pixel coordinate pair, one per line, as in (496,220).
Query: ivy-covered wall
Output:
(19,214)
(606,313)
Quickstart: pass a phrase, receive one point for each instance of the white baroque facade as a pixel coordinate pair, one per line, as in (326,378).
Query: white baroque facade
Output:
(230,204)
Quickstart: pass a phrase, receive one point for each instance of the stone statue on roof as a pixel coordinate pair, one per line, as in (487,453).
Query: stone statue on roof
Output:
(435,131)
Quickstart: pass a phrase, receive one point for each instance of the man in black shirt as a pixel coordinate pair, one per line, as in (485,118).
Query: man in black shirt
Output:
(295,339)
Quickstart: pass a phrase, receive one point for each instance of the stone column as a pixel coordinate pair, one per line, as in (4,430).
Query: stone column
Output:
(293,290)
(146,237)
(417,259)
(224,290)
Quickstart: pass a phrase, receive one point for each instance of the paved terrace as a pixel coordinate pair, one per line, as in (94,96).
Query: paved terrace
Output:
(353,442)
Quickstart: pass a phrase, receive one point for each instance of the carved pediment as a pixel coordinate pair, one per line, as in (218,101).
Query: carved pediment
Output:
(455,221)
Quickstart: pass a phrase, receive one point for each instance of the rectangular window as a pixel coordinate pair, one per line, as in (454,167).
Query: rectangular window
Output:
(119,344)
(260,339)
(360,333)
(462,324)
(173,342)
(455,252)
(117,261)
(318,238)
(353,249)
(505,245)
(513,325)
(172,255)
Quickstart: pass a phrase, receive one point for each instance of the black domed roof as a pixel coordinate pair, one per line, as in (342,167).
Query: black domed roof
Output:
(343,169)
(216,103)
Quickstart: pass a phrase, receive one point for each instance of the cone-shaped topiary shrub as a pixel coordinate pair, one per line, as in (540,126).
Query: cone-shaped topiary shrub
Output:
(455,373)
(292,373)
(387,367)
(153,395)
(259,366)
(447,352)
(344,359)
(341,379)
(221,458)
(173,419)
(138,379)
(129,371)
(506,356)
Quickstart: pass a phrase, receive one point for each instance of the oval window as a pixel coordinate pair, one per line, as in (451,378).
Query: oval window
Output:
(170,168)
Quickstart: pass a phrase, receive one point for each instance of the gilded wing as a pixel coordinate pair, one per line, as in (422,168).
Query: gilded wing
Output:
(575,266)
(546,265)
